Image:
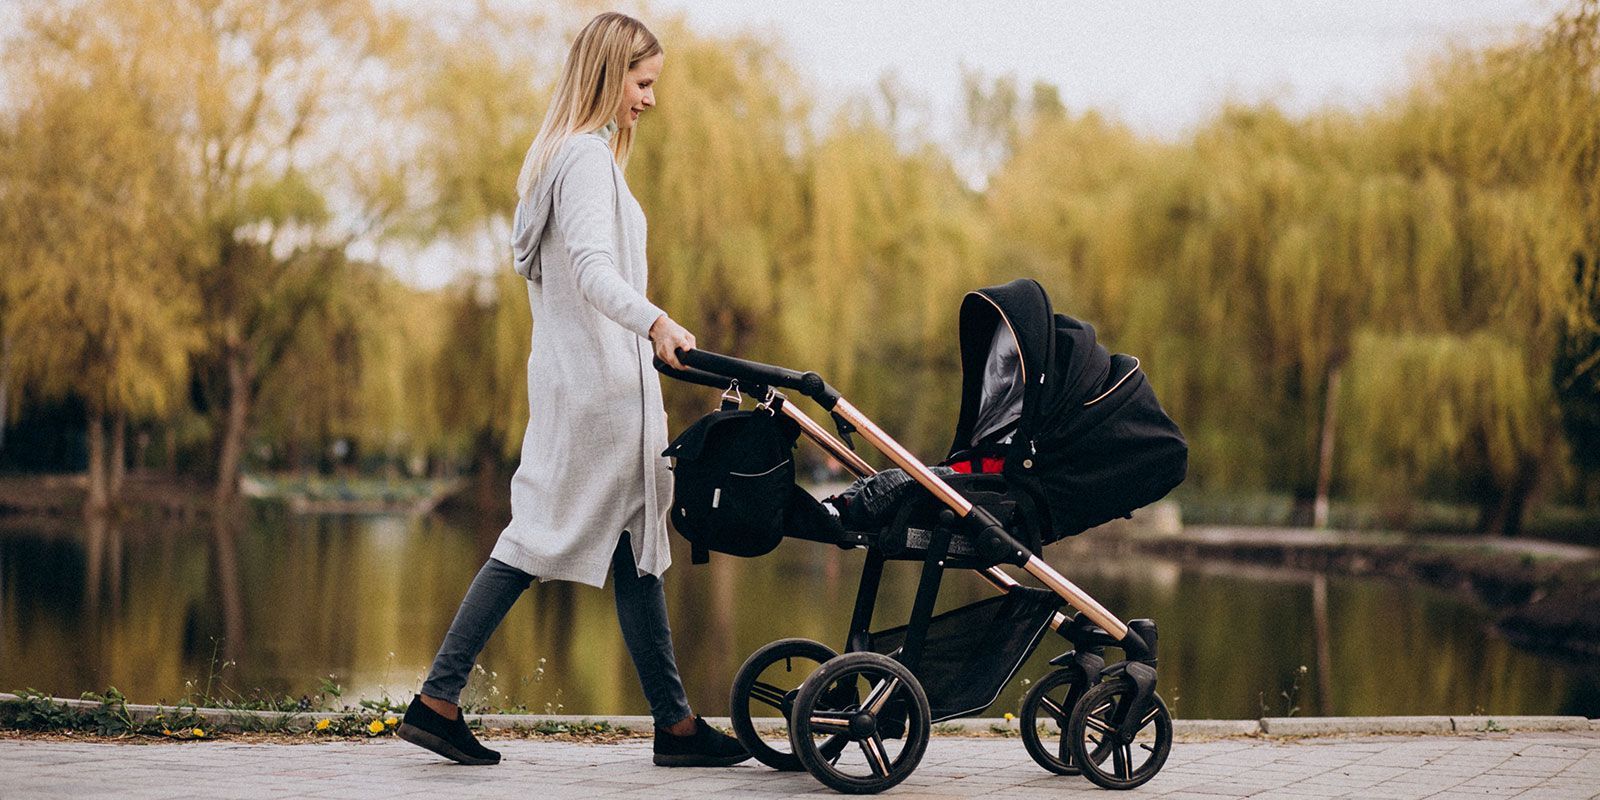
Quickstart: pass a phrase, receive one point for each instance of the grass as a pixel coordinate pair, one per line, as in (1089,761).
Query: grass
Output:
(37,714)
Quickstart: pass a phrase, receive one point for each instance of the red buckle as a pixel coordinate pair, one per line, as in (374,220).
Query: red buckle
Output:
(985,466)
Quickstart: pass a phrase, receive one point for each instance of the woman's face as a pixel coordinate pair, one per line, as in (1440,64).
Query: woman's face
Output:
(638,91)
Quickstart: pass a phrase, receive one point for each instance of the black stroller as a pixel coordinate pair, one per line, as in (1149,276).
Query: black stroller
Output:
(1055,436)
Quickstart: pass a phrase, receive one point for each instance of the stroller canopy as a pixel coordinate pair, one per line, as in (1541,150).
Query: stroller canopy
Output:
(1092,443)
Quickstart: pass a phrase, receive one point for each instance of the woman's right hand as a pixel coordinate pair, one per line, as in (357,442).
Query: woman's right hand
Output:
(669,337)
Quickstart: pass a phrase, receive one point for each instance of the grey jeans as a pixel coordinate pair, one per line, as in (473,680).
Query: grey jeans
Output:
(641,611)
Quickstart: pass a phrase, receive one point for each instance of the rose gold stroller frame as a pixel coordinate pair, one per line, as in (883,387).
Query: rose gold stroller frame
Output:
(725,372)
(1035,566)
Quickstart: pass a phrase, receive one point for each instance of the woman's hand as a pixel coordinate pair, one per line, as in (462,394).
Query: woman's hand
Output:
(669,337)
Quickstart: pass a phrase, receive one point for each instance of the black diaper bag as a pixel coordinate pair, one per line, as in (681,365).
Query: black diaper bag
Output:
(732,474)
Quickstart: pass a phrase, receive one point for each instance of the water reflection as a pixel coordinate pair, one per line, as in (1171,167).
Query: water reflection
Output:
(291,599)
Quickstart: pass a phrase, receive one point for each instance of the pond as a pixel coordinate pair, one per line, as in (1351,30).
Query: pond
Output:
(280,602)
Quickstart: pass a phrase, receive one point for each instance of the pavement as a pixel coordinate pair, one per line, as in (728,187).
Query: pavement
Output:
(1551,764)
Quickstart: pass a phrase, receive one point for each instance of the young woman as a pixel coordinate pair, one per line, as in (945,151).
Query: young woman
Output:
(592,491)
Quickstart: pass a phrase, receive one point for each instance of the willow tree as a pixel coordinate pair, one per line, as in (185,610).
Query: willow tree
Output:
(250,84)
(473,94)
(1258,261)
(1511,137)
(715,174)
(1464,409)
(355,372)
(97,228)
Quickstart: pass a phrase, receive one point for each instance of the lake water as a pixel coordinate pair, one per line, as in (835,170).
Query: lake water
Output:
(153,608)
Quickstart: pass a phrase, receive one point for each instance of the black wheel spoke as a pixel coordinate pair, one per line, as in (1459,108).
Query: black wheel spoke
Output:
(1054,710)
(880,695)
(1122,761)
(832,747)
(768,694)
(827,723)
(1063,747)
(877,755)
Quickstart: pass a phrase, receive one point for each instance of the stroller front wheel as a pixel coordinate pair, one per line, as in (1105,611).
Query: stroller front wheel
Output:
(1050,701)
(769,681)
(860,723)
(1095,734)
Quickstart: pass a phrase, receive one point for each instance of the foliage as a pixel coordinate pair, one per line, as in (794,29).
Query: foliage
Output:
(1438,250)
(35,711)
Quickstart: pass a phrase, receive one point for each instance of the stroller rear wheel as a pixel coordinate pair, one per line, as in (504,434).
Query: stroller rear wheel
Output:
(769,681)
(860,723)
(1050,701)
(1108,758)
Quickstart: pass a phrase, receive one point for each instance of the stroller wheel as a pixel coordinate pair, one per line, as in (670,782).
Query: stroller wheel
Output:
(1106,757)
(865,745)
(1050,702)
(766,686)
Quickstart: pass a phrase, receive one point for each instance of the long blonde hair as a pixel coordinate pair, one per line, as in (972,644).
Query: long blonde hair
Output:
(590,90)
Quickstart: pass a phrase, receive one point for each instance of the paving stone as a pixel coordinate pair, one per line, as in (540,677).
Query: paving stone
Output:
(1535,765)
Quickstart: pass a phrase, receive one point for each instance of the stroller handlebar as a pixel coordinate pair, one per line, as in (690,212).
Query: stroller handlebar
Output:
(716,370)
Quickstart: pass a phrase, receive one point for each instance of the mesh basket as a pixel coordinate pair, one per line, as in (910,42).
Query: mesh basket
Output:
(972,651)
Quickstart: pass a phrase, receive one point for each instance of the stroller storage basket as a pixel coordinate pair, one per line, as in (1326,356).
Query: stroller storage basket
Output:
(973,651)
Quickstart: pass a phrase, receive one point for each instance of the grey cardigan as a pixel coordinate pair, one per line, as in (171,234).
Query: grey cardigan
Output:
(591,458)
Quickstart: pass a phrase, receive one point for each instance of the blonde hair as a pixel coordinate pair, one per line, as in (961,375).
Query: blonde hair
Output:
(590,90)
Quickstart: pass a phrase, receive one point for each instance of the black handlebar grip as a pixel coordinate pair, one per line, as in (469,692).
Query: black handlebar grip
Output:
(811,384)
(701,363)
(690,375)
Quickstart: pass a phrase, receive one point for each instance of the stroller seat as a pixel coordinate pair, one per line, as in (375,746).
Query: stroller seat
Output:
(909,531)
(908,535)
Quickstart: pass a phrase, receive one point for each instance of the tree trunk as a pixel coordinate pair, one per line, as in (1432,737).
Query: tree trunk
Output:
(486,472)
(98,496)
(118,468)
(1330,421)
(141,450)
(235,427)
(225,528)
(1503,513)
(5,386)
(1321,630)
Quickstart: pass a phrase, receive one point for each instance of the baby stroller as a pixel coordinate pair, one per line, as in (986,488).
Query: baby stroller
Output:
(1055,436)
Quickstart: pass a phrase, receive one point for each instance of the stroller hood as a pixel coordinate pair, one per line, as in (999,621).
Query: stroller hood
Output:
(1092,444)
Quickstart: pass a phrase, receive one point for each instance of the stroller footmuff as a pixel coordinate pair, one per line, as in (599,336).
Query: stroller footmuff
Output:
(1056,435)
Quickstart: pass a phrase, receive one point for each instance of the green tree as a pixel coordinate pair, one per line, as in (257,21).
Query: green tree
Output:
(97,226)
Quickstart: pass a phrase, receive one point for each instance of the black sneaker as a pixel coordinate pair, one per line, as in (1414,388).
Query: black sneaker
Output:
(706,747)
(450,738)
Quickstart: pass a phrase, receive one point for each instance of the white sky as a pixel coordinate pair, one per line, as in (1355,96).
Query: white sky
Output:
(1160,66)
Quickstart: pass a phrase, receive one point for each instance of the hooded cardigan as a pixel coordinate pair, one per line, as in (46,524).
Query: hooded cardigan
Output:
(591,457)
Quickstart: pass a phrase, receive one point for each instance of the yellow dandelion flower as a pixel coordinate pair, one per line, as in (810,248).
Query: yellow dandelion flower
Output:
(375,728)
(324,723)
(391,722)
(1009,716)
(166,731)
(198,733)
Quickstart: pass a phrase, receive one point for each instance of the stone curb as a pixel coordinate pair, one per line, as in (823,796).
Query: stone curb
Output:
(1337,726)
(294,722)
